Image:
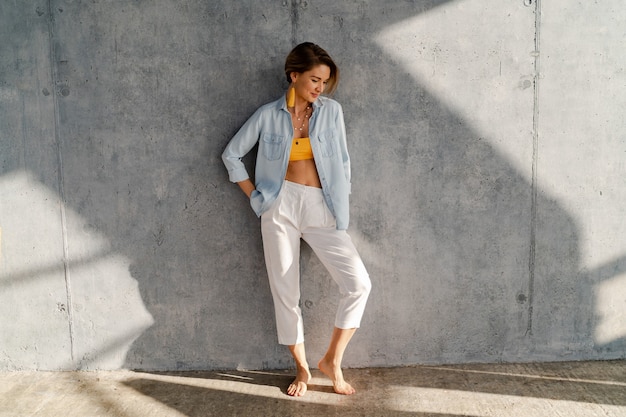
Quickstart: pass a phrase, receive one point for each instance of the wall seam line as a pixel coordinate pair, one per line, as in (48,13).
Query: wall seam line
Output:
(535,156)
(61,181)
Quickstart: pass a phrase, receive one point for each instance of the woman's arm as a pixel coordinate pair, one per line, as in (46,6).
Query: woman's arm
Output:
(246,186)
(243,141)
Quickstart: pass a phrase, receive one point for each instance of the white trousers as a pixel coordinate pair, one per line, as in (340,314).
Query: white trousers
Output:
(300,212)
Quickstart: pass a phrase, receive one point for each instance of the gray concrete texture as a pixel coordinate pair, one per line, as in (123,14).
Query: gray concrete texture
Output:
(488,146)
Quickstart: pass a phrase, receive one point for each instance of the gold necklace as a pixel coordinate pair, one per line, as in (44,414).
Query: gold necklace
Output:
(304,119)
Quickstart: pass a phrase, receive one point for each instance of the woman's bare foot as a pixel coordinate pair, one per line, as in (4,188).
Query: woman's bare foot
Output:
(299,385)
(336,376)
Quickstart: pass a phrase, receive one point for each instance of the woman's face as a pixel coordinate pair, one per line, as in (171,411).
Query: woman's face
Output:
(310,84)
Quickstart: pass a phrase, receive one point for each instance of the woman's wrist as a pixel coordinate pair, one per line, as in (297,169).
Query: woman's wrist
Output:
(247,187)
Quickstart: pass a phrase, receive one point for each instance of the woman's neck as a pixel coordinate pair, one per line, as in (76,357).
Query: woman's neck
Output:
(301,108)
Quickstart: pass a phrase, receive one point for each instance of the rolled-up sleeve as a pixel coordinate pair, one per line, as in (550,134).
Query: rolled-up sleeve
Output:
(243,141)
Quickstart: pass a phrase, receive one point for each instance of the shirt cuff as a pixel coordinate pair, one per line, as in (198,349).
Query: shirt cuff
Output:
(238,175)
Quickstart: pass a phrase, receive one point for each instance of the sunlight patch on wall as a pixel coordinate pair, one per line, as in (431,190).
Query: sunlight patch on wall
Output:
(582,97)
(611,310)
(481,71)
(103,313)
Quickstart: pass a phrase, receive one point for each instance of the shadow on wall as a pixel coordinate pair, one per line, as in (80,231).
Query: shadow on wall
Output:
(442,218)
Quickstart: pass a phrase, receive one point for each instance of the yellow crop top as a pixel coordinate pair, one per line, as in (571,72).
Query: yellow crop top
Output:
(301,149)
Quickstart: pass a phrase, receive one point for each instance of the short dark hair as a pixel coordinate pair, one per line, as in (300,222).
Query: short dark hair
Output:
(307,56)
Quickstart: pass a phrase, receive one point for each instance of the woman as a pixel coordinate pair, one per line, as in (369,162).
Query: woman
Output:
(300,190)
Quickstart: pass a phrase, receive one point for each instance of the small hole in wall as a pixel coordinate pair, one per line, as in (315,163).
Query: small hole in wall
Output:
(528,2)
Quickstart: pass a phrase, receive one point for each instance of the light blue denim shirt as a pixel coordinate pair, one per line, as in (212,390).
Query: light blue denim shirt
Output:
(271,127)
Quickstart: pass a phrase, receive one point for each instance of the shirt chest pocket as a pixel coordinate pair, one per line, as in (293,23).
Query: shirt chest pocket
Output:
(327,141)
(272,146)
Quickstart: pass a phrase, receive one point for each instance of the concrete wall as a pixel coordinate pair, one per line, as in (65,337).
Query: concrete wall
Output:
(488,146)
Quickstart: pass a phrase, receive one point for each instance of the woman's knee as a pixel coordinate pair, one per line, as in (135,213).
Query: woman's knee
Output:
(363,286)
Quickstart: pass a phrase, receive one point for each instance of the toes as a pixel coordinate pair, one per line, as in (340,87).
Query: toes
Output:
(297,389)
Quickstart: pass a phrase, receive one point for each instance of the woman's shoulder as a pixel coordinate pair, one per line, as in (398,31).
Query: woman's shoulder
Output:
(271,106)
(267,111)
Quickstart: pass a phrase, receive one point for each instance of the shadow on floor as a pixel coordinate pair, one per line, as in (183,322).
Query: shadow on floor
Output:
(410,391)
(253,394)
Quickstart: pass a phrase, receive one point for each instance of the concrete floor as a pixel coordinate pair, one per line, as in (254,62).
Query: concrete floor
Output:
(551,389)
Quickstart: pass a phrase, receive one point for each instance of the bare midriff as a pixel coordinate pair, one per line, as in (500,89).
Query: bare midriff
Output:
(303,172)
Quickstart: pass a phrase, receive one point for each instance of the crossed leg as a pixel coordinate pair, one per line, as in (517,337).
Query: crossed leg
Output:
(330,364)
